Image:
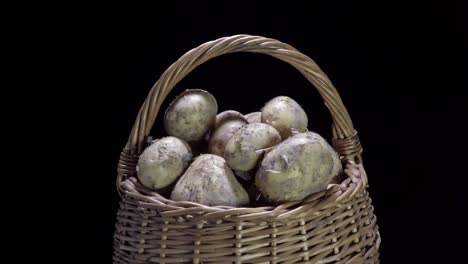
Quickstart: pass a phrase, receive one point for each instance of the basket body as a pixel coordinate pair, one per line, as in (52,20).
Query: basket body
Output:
(334,226)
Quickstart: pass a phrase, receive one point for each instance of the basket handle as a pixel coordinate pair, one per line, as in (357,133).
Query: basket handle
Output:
(345,138)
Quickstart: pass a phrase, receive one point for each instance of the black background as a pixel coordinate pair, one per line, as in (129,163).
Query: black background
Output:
(380,58)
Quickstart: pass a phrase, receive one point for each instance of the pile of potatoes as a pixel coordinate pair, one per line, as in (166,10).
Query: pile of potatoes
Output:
(212,158)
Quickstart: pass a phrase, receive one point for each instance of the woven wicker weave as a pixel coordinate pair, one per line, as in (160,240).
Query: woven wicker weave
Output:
(333,226)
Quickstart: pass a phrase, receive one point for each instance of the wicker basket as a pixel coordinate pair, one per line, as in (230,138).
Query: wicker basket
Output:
(333,226)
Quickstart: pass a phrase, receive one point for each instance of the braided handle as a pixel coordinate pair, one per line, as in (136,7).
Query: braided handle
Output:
(345,139)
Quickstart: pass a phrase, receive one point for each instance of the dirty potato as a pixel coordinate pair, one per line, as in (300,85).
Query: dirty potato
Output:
(248,145)
(227,115)
(285,115)
(163,162)
(254,117)
(191,115)
(227,123)
(210,181)
(301,165)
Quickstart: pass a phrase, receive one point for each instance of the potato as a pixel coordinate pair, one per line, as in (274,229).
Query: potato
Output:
(298,167)
(226,124)
(224,116)
(254,117)
(211,182)
(248,144)
(163,162)
(337,166)
(191,115)
(285,115)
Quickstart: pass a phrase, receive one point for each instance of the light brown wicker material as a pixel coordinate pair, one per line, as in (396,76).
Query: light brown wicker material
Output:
(333,226)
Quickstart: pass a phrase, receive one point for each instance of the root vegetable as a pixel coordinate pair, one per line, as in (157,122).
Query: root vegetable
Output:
(248,144)
(211,182)
(227,123)
(163,162)
(285,115)
(254,117)
(228,115)
(191,115)
(298,167)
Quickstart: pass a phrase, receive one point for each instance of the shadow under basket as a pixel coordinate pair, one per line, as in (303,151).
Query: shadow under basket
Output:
(334,226)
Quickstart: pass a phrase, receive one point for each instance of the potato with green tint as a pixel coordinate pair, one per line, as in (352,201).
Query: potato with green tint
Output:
(191,115)
(301,165)
(210,181)
(227,123)
(248,144)
(285,115)
(254,117)
(163,162)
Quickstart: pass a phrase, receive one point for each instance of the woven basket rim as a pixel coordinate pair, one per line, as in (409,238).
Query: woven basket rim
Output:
(334,195)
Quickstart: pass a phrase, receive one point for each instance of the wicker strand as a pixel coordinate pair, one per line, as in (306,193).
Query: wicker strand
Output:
(126,167)
(349,147)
